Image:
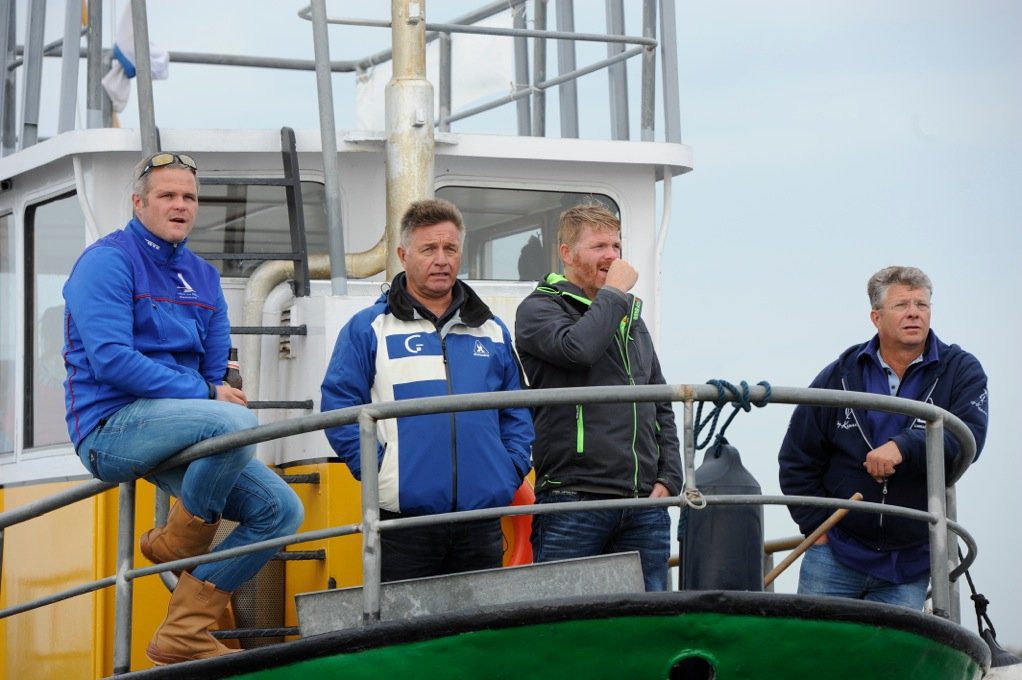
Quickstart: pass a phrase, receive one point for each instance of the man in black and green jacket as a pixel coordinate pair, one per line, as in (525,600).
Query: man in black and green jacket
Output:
(584,329)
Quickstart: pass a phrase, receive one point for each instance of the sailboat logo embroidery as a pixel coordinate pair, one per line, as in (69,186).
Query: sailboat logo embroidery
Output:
(185,289)
(480,349)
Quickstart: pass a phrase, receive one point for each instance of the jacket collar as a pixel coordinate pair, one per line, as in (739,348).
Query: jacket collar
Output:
(157,249)
(466,303)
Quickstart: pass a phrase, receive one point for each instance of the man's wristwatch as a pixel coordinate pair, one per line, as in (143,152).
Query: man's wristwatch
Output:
(212,390)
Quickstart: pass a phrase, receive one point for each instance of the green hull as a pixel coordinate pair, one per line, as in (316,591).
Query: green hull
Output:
(686,636)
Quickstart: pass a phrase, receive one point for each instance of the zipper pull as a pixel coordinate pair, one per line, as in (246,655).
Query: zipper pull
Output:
(884,492)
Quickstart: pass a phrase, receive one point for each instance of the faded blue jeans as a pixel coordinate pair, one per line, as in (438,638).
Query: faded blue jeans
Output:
(821,574)
(582,534)
(232,484)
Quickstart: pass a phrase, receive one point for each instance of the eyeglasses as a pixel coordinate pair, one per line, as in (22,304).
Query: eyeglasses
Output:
(163,159)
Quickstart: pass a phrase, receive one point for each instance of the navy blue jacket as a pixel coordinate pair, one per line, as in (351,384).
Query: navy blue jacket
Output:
(825,447)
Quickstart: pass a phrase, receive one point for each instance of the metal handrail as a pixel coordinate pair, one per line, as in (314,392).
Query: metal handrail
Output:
(367,415)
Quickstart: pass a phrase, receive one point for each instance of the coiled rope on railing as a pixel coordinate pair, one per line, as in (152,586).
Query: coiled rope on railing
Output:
(740,398)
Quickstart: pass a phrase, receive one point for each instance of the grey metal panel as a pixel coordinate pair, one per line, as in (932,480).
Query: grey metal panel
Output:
(33,73)
(567,93)
(444,84)
(617,74)
(69,65)
(330,610)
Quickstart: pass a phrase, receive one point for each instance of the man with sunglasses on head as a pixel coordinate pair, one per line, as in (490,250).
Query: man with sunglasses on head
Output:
(146,341)
(833,452)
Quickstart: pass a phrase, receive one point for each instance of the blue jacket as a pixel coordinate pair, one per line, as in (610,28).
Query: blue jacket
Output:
(825,447)
(144,318)
(441,462)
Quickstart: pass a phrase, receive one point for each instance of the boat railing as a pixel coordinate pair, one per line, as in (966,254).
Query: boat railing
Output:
(945,566)
(528,90)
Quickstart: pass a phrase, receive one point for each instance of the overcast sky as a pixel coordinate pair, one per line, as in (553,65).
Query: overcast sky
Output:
(830,139)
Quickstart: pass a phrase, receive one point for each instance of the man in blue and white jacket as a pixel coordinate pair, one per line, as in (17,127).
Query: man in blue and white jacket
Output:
(146,340)
(431,335)
(834,452)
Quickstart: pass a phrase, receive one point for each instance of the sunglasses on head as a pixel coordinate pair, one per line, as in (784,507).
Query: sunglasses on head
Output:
(163,159)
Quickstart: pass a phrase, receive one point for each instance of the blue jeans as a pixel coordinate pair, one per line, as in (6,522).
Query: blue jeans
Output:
(582,534)
(821,574)
(440,548)
(231,484)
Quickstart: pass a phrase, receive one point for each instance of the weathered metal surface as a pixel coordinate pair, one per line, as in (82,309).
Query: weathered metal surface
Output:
(331,610)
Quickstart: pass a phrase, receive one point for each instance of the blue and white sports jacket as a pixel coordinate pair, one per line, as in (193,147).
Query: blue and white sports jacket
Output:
(441,462)
(142,318)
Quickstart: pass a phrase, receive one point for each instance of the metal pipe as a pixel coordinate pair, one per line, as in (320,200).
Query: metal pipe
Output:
(951,505)
(8,79)
(573,75)
(669,53)
(617,75)
(647,106)
(144,79)
(369,460)
(124,587)
(328,136)
(409,113)
(539,69)
(33,73)
(567,93)
(568,34)
(69,65)
(94,67)
(444,82)
(935,490)
(521,49)
(689,444)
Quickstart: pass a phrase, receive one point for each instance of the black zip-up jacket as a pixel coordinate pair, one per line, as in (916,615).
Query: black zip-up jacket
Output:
(825,447)
(566,340)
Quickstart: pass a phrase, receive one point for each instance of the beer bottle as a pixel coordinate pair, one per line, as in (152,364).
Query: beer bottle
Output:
(233,375)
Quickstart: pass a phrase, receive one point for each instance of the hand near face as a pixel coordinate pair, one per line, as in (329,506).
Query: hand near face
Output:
(880,462)
(621,275)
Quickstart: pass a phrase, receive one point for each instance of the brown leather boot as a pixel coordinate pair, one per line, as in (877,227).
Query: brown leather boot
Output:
(184,535)
(184,634)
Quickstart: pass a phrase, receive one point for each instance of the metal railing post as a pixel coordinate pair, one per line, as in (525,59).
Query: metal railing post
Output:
(617,74)
(328,141)
(647,107)
(689,444)
(370,518)
(539,70)
(444,82)
(144,79)
(69,58)
(951,498)
(567,92)
(936,494)
(521,48)
(33,73)
(669,54)
(8,79)
(124,588)
(94,67)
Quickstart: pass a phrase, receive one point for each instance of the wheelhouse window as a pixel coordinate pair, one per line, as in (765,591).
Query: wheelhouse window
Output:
(7,324)
(253,219)
(55,237)
(511,234)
